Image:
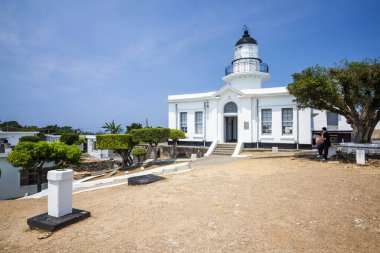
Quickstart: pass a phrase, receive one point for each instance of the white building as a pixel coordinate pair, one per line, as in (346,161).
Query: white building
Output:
(52,137)
(244,112)
(14,183)
(93,151)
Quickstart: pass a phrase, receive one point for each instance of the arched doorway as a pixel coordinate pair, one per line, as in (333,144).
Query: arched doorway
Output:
(230,122)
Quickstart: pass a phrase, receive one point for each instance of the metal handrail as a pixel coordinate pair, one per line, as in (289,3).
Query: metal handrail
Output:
(246,65)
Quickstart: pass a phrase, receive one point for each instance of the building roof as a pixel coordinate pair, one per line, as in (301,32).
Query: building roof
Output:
(246,39)
(214,94)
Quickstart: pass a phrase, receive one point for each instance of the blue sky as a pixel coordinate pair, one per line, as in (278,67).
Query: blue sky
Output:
(83,63)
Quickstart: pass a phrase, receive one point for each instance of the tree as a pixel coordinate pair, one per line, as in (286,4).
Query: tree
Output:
(122,144)
(10,126)
(175,135)
(351,89)
(152,136)
(133,126)
(112,128)
(139,153)
(31,138)
(34,155)
(69,138)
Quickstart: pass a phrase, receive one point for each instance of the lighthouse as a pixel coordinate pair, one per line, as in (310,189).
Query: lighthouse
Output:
(247,71)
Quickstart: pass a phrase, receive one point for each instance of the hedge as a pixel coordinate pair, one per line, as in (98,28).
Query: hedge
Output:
(69,138)
(31,138)
(114,141)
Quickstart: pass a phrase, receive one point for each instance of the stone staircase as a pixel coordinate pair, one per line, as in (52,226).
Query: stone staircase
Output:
(224,149)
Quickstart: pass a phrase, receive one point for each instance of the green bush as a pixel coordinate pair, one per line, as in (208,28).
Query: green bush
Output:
(176,134)
(122,144)
(31,138)
(80,141)
(114,141)
(139,151)
(69,138)
(153,136)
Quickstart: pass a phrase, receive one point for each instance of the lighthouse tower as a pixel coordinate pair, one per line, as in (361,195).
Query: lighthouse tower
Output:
(247,71)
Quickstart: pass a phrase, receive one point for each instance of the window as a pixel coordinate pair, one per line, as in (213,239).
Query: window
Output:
(332,121)
(183,123)
(287,121)
(266,118)
(29,177)
(230,107)
(199,122)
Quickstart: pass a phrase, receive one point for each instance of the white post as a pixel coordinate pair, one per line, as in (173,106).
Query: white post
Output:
(60,192)
(360,156)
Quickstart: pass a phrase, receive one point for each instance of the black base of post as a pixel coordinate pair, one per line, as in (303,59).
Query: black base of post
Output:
(50,223)
(145,179)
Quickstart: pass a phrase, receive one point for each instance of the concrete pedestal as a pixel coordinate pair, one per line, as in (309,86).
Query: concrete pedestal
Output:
(60,210)
(360,156)
(60,192)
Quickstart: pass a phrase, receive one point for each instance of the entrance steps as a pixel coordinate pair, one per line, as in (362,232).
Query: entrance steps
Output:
(224,149)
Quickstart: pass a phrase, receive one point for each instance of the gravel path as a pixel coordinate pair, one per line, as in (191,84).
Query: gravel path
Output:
(243,205)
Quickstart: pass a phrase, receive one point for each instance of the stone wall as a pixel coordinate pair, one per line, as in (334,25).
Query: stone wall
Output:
(182,151)
(94,166)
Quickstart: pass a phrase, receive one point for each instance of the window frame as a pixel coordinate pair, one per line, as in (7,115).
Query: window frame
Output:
(265,122)
(29,177)
(287,121)
(197,123)
(183,124)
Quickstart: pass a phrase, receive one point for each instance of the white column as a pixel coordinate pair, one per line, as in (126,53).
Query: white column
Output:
(60,191)
(360,156)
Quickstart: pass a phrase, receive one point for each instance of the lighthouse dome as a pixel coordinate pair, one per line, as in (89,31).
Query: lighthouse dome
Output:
(246,39)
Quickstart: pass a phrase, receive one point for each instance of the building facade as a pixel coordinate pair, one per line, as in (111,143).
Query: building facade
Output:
(242,111)
(14,182)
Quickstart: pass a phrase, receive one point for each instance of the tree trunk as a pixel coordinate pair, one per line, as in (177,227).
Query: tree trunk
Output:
(362,133)
(155,152)
(39,179)
(174,149)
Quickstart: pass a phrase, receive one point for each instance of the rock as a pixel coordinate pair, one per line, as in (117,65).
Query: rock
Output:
(45,235)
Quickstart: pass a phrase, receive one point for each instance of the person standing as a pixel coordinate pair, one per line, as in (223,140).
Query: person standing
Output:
(323,147)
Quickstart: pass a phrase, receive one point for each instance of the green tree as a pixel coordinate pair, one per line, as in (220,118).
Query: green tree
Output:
(34,155)
(69,138)
(175,135)
(32,138)
(139,152)
(351,89)
(133,126)
(112,128)
(10,126)
(152,136)
(122,144)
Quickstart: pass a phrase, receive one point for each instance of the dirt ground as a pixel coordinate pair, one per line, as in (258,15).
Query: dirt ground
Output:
(247,205)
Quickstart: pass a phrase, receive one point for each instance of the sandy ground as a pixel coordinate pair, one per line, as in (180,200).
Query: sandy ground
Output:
(248,205)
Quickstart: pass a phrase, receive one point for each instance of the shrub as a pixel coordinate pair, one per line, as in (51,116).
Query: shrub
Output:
(69,138)
(80,141)
(122,144)
(139,153)
(31,138)
(176,134)
(153,136)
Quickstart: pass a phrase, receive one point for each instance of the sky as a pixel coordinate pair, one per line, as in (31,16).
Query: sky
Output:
(83,63)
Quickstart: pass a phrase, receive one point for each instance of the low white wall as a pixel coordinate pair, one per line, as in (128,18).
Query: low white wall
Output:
(10,182)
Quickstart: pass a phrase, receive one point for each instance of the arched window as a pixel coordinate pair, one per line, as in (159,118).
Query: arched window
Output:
(230,107)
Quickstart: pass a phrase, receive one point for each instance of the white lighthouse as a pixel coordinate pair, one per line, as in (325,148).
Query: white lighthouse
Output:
(247,71)
(242,114)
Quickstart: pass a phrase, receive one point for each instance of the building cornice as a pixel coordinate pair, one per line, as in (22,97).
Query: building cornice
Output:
(244,75)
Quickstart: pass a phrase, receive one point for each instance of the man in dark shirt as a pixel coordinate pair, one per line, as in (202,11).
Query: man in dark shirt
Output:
(324,146)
